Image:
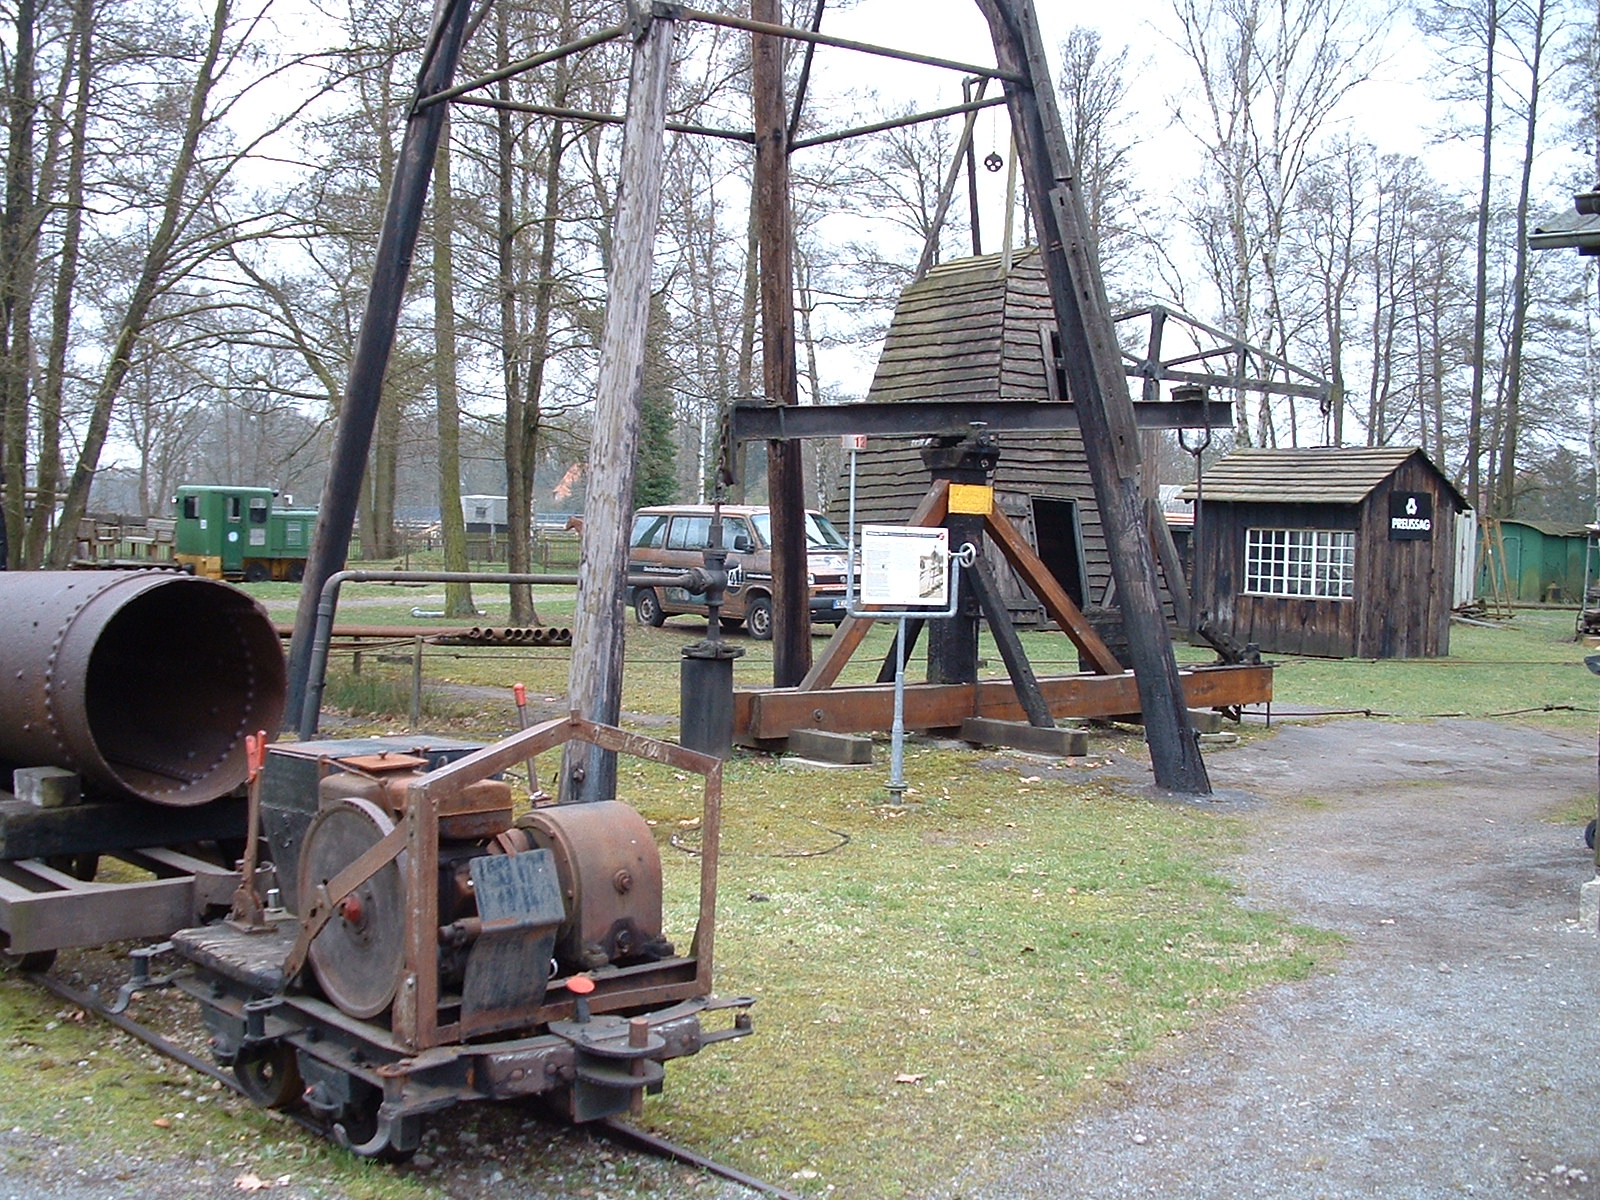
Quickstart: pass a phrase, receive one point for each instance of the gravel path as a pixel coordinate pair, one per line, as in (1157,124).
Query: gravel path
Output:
(1452,1051)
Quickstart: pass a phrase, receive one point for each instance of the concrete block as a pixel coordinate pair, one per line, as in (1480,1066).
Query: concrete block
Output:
(984,731)
(1205,720)
(47,787)
(843,748)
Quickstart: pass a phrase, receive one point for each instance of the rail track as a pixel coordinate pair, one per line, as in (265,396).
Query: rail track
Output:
(617,1130)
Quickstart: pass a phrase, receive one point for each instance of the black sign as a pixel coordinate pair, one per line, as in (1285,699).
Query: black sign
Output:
(1410,516)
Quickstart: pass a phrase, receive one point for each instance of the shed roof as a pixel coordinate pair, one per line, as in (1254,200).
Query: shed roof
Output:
(1314,475)
(1548,528)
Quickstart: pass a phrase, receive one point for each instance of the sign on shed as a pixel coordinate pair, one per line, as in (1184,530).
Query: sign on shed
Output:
(1410,516)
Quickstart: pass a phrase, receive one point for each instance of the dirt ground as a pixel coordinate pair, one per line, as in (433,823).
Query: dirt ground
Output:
(1452,1052)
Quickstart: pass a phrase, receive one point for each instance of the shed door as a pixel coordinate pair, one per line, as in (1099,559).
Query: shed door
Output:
(1059,541)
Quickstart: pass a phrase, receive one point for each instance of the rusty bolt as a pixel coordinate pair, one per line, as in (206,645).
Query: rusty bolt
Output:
(623,882)
(350,910)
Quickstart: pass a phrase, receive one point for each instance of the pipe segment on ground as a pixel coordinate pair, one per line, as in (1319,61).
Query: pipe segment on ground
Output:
(143,682)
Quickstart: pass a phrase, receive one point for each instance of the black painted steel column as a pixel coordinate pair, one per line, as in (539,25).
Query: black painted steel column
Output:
(330,543)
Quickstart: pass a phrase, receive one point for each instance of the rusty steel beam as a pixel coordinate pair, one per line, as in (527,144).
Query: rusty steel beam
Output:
(143,682)
(774,713)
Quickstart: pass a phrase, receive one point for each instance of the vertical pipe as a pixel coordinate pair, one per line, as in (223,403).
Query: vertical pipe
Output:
(402,218)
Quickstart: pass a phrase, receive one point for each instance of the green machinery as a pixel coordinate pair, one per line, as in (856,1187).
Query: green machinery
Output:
(224,532)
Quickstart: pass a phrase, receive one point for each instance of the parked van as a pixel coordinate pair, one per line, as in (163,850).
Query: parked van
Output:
(672,537)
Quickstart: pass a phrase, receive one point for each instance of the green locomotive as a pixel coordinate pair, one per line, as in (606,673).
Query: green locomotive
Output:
(226,532)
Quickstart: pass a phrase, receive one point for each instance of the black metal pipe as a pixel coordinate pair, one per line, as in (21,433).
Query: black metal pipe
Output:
(143,682)
(402,218)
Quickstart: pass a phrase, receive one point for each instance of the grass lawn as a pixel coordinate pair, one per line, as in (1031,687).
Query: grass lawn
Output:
(934,982)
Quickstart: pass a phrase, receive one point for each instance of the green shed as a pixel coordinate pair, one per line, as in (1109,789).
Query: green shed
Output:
(1543,561)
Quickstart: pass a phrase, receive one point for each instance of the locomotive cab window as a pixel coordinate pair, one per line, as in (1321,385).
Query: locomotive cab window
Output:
(1316,564)
(235,507)
(258,511)
(191,508)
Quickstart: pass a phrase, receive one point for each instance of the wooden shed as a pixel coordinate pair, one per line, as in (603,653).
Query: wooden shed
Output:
(1543,561)
(1338,551)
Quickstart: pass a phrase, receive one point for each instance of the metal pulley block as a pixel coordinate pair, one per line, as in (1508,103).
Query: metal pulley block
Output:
(359,955)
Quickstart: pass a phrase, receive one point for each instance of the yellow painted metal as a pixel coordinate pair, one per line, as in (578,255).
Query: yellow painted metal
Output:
(974,498)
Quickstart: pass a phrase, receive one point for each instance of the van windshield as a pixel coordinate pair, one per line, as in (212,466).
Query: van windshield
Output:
(820,533)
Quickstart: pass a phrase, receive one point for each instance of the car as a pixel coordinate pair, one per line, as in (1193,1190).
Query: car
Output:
(668,538)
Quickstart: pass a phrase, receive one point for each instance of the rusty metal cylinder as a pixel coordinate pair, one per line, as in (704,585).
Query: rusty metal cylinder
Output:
(144,682)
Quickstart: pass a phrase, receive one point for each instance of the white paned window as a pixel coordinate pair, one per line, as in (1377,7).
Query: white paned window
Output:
(1316,563)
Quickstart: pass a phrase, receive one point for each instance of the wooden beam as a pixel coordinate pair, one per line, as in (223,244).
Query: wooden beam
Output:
(1171,563)
(595,681)
(791,629)
(1095,384)
(769,713)
(1056,602)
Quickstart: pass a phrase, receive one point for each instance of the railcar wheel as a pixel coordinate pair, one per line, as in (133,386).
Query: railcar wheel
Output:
(296,571)
(256,572)
(647,608)
(34,960)
(269,1074)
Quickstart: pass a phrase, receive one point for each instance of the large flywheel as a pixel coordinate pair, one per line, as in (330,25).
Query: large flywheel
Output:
(359,955)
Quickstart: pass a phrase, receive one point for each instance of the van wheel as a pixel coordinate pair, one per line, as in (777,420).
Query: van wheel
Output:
(731,624)
(758,617)
(647,608)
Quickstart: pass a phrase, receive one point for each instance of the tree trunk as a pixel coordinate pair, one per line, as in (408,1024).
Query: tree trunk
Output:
(48,468)
(1480,287)
(1506,499)
(145,291)
(18,234)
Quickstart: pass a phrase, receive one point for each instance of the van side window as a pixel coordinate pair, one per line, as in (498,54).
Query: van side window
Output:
(689,533)
(191,508)
(735,531)
(258,511)
(648,531)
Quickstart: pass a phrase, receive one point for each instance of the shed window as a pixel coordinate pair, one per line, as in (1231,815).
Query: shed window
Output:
(1318,563)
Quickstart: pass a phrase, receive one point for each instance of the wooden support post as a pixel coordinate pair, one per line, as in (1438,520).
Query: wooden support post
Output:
(1171,564)
(594,684)
(983,585)
(791,630)
(1096,385)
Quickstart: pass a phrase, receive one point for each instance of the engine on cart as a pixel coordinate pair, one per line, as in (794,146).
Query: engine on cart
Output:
(595,863)
(429,948)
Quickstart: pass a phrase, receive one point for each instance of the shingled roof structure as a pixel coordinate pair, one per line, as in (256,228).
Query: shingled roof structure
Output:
(1307,475)
(970,330)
